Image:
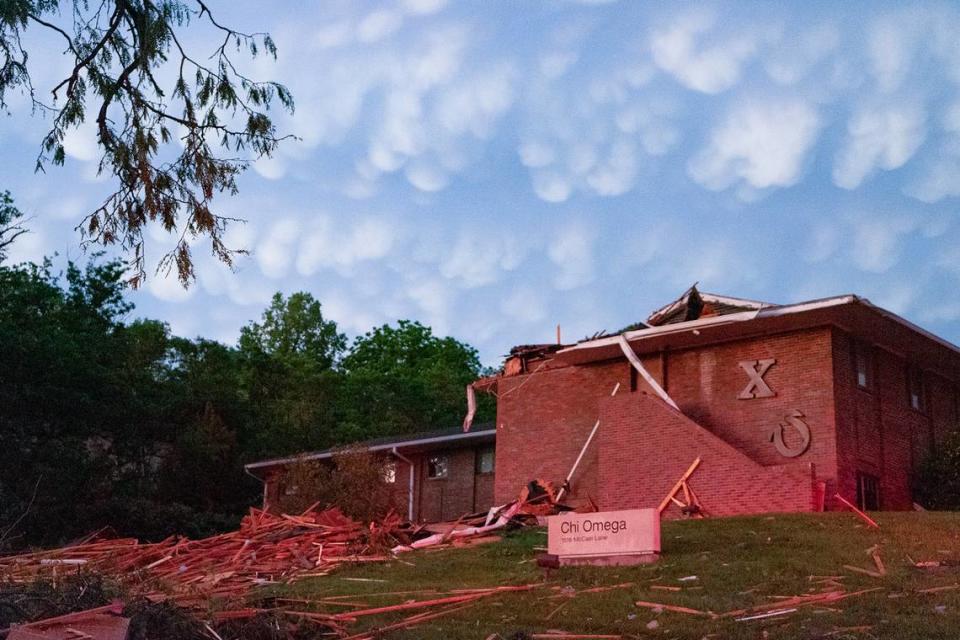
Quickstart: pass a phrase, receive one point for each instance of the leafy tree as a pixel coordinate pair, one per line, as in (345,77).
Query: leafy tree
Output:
(11,227)
(289,358)
(60,391)
(294,331)
(132,75)
(404,379)
(937,482)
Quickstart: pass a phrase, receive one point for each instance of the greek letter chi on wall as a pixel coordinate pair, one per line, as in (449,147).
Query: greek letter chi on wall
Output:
(785,406)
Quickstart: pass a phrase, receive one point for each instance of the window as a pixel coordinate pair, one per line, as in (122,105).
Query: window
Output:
(291,490)
(863,363)
(389,472)
(437,467)
(868,492)
(486,460)
(915,392)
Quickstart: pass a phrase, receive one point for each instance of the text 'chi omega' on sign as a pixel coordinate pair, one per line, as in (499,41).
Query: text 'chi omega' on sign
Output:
(605,537)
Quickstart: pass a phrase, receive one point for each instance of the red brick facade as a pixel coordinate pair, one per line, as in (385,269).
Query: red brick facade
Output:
(642,447)
(878,432)
(466,487)
(638,467)
(785,405)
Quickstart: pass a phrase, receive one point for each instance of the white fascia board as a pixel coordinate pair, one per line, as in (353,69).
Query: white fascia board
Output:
(740,302)
(712,321)
(378,447)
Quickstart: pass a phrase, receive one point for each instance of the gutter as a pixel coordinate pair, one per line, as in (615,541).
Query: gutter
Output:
(380,447)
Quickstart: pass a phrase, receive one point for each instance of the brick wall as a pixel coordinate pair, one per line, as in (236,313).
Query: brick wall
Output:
(705,383)
(878,432)
(462,491)
(645,446)
(544,418)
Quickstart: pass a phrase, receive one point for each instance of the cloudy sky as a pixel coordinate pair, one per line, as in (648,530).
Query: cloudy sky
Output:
(495,168)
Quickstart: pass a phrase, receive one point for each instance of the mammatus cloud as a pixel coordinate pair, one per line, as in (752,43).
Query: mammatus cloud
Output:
(571,252)
(759,144)
(877,241)
(328,243)
(687,52)
(878,138)
(490,183)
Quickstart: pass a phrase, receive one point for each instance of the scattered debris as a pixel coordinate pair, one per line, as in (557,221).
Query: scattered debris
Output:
(102,623)
(691,506)
(864,516)
(769,614)
(796,602)
(874,553)
(949,587)
(674,608)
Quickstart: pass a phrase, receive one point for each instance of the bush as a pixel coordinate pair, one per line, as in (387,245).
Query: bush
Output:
(937,482)
(354,482)
(151,521)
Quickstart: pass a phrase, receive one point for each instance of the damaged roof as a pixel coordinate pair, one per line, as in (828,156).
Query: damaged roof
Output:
(848,312)
(436,439)
(695,304)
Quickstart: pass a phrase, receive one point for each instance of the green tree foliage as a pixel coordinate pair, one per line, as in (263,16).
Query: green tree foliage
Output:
(404,379)
(161,110)
(289,358)
(109,420)
(937,483)
(294,331)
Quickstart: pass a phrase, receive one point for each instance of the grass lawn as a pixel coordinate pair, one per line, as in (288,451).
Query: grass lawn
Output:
(738,563)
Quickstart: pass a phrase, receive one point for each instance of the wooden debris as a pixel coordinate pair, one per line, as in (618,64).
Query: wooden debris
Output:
(797,601)
(692,505)
(674,608)
(769,614)
(949,587)
(574,636)
(864,516)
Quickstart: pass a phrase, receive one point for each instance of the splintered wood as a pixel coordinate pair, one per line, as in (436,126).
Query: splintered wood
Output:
(265,549)
(690,505)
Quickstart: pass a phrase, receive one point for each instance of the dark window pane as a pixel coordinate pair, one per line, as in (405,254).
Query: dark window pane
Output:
(437,467)
(486,461)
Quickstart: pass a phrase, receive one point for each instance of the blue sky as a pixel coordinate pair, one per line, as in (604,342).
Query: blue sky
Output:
(495,168)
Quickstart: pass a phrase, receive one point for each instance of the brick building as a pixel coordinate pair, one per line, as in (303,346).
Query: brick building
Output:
(438,475)
(785,405)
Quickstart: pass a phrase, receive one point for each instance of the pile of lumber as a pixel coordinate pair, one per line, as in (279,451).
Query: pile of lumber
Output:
(266,549)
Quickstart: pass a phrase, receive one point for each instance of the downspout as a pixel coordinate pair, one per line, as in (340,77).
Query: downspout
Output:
(261,481)
(410,496)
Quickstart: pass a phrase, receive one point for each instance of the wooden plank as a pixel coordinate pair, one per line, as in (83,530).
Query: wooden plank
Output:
(680,482)
(865,517)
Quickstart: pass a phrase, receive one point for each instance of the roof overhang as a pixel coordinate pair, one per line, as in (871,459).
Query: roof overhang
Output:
(406,446)
(851,313)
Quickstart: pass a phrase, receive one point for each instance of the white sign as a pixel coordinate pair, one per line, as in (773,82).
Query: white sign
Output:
(633,532)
